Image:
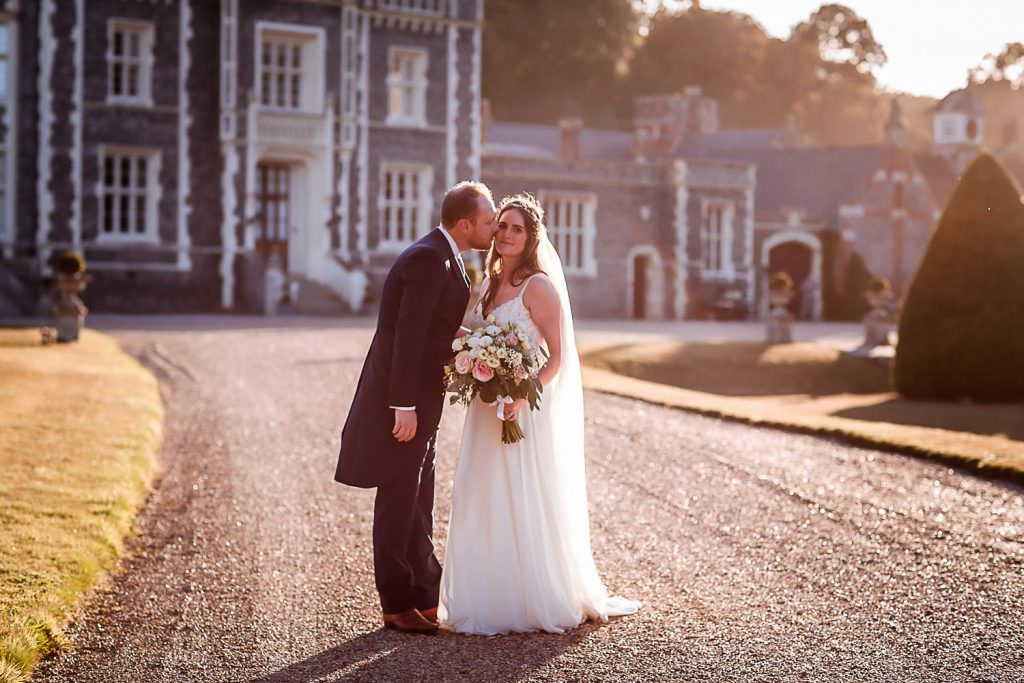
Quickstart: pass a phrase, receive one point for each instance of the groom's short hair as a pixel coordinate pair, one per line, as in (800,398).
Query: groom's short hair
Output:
(462,201)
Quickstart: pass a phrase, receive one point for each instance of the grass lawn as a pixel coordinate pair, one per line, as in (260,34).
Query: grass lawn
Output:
(80,426)
(816,389)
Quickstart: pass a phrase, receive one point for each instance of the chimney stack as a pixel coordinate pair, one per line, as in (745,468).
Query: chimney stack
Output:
(569,132)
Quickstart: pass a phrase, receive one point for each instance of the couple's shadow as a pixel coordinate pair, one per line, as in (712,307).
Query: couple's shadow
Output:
(385,655)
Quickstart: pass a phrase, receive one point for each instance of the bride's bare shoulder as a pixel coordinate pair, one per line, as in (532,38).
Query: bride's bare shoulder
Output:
(540,291)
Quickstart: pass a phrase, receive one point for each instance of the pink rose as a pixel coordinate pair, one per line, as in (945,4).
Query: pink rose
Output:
(463,362)
(511,339)
(482,372)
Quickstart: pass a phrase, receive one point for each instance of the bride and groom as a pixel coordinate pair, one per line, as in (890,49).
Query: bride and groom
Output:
(518,557)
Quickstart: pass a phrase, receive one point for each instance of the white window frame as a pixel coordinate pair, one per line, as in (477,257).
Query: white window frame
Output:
(390,209)
(407,95)
(571,221)
(717,231)
(151,192)
(144,61)
(7,58)
(311,40)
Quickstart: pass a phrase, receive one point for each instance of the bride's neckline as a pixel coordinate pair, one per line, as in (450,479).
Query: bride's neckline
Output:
(517,297)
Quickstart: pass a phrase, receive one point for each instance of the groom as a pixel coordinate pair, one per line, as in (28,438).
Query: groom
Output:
(389,438)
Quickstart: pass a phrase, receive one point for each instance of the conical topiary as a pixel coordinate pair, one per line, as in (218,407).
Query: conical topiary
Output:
(961,332)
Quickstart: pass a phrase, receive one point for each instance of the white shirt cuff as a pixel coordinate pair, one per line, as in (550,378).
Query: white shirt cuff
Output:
(406,408)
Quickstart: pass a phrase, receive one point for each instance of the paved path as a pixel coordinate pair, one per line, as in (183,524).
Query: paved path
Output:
(759,555)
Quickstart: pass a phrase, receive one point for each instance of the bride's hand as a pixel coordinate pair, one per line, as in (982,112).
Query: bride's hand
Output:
(512,409)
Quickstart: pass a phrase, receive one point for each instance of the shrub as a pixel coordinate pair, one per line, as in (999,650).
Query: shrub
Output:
(961,334)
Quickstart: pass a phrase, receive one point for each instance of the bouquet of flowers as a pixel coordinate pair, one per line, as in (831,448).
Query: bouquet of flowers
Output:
(497,363)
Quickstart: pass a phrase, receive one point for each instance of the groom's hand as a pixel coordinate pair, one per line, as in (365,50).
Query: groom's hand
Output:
(405,425)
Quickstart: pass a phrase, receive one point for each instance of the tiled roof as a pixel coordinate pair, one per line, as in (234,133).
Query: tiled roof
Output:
(726,141)
(961,101)
(533,140)
(815,180)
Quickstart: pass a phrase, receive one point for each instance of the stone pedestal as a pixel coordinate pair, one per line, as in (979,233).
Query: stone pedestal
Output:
(880,322)
(273,285)
(69,311)
(778,327)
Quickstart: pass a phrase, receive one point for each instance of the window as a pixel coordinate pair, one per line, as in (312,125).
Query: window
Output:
(128,194)
(5,58)
(570,222)
(716,237)
(407,86)
(3,197)
(129,62)
(404,204)
(290,67)
(281,72)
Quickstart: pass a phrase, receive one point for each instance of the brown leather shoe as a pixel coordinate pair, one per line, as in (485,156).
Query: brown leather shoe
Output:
(410,621)
(430,614)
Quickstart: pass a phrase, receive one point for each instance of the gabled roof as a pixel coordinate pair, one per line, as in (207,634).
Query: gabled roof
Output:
(962,101)
(537,141)
(816,180)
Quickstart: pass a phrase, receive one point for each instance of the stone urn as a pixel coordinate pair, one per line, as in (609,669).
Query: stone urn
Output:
(69,311)
(880,322)
(778,327)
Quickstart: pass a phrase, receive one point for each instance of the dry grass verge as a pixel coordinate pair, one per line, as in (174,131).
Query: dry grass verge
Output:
(815,390)
(80,427)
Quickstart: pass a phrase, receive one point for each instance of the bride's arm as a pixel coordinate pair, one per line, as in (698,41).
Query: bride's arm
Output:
(541,300)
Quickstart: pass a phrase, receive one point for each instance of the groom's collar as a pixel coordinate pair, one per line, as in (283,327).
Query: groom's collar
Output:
(450,240)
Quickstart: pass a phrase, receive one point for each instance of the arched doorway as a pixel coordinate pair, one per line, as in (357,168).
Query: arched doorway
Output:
(799,255)
(645,290)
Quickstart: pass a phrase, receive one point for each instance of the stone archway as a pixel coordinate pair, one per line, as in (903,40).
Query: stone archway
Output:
(645,286)
(799,252)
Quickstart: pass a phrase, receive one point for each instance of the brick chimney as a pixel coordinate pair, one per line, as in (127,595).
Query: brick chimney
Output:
(662,120)
(569,132)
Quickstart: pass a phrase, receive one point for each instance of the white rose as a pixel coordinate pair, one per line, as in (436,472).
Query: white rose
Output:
(486,340)
(457,345)
(493,330)
(473,342)
(475,353)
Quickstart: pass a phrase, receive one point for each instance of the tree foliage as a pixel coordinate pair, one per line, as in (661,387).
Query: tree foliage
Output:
(963,318)
(543,60)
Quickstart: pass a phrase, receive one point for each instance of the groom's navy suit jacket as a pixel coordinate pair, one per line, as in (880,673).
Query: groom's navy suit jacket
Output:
(421,307)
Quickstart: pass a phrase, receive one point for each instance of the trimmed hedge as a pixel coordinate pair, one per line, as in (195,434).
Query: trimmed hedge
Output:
(961,333)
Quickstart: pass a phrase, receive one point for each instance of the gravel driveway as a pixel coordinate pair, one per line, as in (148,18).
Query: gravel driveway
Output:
(758,555)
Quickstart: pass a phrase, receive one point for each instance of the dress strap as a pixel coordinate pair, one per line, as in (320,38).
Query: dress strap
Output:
(526,283)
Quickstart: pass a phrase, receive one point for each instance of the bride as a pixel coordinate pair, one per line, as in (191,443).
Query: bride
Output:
(518,556)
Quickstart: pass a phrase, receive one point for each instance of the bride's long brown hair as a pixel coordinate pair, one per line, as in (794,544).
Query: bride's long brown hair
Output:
(533,218)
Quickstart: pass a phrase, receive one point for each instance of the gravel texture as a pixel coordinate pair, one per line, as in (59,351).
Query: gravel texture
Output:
(758,555)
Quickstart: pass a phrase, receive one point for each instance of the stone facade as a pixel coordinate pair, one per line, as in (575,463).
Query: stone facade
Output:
(163,183)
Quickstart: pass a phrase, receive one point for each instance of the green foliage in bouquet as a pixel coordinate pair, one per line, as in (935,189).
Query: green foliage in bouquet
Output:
(509,368)
(961,334)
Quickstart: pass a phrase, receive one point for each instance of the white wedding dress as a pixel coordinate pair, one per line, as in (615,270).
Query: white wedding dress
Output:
(518,557)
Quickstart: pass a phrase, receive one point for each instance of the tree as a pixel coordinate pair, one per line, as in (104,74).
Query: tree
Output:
(543,60)
(1007,65)
(843,39)
(963,318)
(841,105)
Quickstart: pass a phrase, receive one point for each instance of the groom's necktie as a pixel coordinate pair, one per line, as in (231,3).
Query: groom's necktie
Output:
(462,269)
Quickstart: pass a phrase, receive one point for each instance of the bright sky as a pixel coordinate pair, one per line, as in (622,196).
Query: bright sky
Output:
(930,43)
